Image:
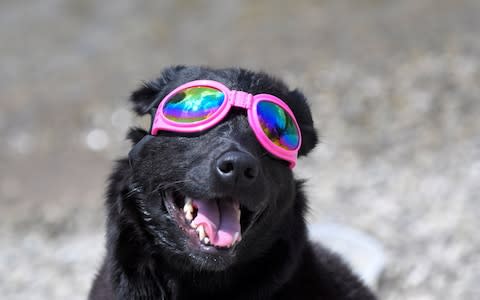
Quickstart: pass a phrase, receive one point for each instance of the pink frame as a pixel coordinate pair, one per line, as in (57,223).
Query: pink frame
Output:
(232,98)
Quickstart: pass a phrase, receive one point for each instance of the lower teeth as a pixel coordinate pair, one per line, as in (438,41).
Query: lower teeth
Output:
(201,232)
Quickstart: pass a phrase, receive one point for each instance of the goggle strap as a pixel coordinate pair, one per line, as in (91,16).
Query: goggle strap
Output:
(154,105)
(135,151)
(153,112)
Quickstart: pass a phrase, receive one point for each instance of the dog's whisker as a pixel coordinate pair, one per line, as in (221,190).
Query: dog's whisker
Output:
(172,184)
(133,191)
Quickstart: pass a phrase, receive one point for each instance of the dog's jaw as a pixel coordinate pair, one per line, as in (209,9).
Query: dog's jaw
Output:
(211,225)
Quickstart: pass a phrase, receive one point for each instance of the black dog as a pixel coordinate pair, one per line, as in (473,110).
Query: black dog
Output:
(152,253)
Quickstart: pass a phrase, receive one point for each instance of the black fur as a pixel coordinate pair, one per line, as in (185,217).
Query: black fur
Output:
(149,256)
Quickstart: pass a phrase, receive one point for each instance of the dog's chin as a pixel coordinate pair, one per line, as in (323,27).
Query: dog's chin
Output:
(212,229)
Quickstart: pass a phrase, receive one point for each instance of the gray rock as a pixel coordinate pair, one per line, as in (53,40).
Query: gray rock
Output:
(363,253)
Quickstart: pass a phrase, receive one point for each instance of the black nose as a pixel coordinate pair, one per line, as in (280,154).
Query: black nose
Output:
(237,169)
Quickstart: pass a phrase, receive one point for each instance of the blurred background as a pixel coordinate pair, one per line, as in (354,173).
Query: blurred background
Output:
(394,87)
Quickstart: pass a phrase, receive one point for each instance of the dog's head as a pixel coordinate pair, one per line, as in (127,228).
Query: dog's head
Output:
(187,189)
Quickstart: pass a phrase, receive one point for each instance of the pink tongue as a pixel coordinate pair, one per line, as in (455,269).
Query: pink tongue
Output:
(220,219)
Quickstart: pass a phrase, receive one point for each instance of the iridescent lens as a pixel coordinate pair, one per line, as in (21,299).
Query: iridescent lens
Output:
(193,104)
(278,125)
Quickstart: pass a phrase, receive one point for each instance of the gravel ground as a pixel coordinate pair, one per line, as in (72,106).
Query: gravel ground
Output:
(394,87)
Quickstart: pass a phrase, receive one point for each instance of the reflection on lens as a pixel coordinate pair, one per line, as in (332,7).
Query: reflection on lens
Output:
(193,104)
(278,125)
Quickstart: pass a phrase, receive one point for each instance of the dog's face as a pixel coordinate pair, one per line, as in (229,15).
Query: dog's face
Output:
(215,198)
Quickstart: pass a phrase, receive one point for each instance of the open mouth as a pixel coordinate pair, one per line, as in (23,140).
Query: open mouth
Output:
(212,222)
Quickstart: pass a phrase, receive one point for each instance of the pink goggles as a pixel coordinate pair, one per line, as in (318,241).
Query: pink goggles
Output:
(201,104)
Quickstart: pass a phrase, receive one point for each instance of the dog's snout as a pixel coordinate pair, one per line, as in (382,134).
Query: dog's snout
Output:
(237,169)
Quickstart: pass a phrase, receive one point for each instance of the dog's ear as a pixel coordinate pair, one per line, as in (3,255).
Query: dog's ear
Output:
(305,121)
(143,98)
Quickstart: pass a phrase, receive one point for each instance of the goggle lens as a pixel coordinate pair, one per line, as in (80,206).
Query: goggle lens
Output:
(193,104)
(278,125)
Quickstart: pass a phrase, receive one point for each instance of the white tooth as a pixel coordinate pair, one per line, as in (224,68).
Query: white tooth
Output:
(236,238)
(201,232)
(188,207)
(188,216)
(206,241)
